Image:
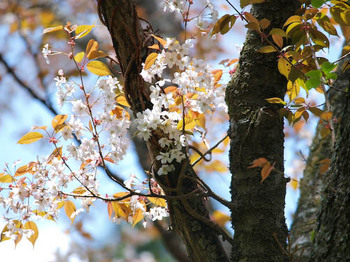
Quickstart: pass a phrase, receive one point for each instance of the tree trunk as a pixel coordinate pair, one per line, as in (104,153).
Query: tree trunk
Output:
(256,130)
(312,183)
(189,216)
(332,234)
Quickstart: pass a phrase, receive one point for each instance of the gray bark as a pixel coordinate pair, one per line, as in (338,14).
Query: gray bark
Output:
(256,130)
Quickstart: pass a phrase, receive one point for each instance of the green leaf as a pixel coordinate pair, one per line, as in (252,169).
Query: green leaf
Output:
(317,3)
(314,79)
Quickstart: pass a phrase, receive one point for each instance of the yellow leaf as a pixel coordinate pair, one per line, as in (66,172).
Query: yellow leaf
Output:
(6,178)
(299,112)
(57,152)
(79,190)
(220,218)
(58,121)
(292,19)
(30,138)
(299,100)
(216,166)
(43,214)
(78,57)
(39,127)
(98,68)
(90,47)
(326,115)
(122,101)
(150,60)
(267,49)
(121,210)
(189,124)
(83,30)
(160,40)
(284,67)
(201,121)
(294,184)
(52,29)
(293,90)
(97,54)
(158,201)
(69,208)
(21,171)
(275,100)
(32,226)
(137,217)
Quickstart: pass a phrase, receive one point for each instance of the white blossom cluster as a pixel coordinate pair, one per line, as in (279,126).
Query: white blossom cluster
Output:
(195,84)
(181,7)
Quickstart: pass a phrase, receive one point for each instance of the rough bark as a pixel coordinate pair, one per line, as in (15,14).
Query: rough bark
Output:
(257,131)
(332,234)
(313,181)
(189,216)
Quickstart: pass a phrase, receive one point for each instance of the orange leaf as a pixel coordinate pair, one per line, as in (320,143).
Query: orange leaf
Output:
(160,40)
(265,171)
(259,162)
(69,208)
(21,171)
(110,209)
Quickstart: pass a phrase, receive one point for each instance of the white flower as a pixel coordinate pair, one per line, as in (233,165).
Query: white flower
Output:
(46,52)
(67,133)
(158,213)
(79,107)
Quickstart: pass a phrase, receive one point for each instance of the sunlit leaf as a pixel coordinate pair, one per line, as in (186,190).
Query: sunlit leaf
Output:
(58,121)
(275,100)
(32,226)
(220,218)
(158,201)
(137,217)
(98,68)
(78,57)
(6,178)
(292,19)
(30,138)
(284,67)
(52,29)
(83,30)
(122,101)
(189,124)
(69,208)
(150,60)
(160,40)
(21,171)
